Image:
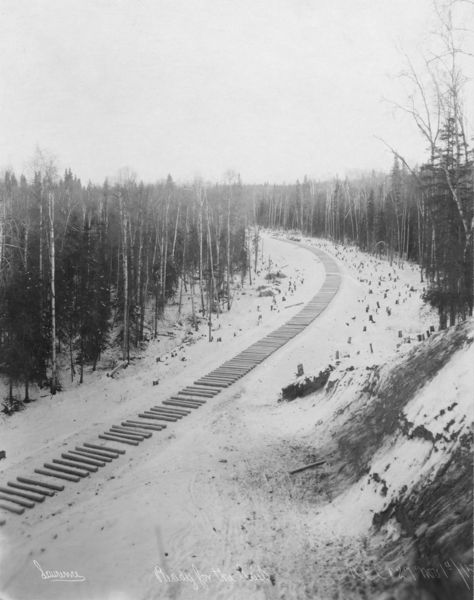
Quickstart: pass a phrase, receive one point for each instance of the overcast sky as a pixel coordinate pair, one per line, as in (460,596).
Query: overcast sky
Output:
(274,89)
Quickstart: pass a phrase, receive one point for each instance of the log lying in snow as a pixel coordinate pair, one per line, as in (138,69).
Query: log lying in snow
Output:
(103,456)
(144,425)
(180,403)
(35,496)
(188,399)
(30,488)
(107,449)
(126,433)
(14,500)
(58,475)
(51,486)
(13,509)
(122,365)
(74,472)
(72,456)
(113,438)
(315,464)
(130,430)
(174,411)
(151,414)
(74,464)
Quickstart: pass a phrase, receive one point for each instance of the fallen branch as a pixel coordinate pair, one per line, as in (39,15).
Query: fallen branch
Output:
(315,464)
(122,365)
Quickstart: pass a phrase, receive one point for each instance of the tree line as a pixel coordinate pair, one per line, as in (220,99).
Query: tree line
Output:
(80,263)
(423,213)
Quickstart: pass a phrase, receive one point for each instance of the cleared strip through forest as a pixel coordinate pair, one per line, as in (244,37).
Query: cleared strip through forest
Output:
(84,461)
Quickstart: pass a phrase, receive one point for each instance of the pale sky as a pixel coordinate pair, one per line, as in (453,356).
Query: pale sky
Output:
(273,89)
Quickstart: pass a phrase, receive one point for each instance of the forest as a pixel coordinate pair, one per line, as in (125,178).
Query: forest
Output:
(87,266)
(424,215)
(78,262)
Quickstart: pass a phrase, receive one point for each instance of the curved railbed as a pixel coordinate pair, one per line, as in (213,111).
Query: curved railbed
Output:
(88,458)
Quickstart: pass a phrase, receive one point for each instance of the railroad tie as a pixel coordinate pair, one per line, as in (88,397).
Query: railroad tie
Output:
(189,398)
(30,488)
(102,448)
(12,508)
(56,487)
(57,475)
(115,438)
(35,496)
(163,411)
(16,500)
(131,430)
(126,433)
(71,463)
(90,453)
(146,426)
(66,470)
(159,416)
(181,403)
(81,458)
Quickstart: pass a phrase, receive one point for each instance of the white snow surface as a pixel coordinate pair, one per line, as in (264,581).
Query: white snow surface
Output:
(209,500)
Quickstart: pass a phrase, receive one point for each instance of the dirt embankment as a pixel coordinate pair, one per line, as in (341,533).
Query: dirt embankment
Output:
(400,443)
(388,390)
(436,521)
(436,517)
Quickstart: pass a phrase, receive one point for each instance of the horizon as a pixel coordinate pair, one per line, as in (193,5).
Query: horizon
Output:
(351,175)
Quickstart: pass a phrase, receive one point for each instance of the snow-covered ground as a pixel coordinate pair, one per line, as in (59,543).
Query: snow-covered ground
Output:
(209,501)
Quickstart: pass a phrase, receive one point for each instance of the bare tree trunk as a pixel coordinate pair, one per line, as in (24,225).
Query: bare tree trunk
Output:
(256,240)
(175,234)
(165,261)
(139,287)
(217,241)
(27,232)
(153,263)
(228,251)
(162,266)
(211,263)
(124,220)
(195,324)
(145,296)
(71,357)
(200,250)
(41,225)
(81,370)
(3,220)
(52,258)
(183,263)
(248,251)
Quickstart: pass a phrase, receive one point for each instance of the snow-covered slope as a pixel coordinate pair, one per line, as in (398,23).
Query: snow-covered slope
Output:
(211,502)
